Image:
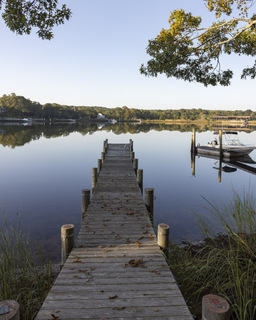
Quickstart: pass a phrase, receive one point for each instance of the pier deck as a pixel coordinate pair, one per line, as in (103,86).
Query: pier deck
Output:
(116,270)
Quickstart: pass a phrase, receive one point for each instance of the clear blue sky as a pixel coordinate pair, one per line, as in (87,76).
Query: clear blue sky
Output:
(94,60)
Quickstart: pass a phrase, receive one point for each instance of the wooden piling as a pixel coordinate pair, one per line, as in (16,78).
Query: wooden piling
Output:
(102,156)
(99,166)
(131,144)
(9,310)
(67,241)
(135,165)
(86,195)
(193,141)
(215,308)
(163,235)
(220,142)
(132,155)
(149,201)
(94,178)
(140,179)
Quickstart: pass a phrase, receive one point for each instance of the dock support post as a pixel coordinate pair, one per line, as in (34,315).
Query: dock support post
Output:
(163,235)
(131,143)
(215,308)
(105,145)
(67,241)
(10,310)
(135,165)
(86,195)
(94,178)
(132,155)
(99,166)
(149,201)
(102,156)
(140,179)
(193,141)
(220,142)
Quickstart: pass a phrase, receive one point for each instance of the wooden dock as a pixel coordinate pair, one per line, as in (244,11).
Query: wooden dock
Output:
(116,270)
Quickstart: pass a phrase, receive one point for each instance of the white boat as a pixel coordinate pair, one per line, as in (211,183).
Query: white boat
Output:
(231,144)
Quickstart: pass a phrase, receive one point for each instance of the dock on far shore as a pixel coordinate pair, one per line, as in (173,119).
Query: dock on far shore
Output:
(116,269)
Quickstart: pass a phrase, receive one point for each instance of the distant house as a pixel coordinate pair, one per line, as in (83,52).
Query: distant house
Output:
(100,116)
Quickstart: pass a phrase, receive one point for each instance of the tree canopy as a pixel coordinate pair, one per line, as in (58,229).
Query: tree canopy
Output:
(191,52)
(21,16)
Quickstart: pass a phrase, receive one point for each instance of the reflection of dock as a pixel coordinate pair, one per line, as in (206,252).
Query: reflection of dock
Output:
(116,270)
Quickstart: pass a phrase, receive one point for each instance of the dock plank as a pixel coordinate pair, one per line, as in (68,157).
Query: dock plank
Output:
(116,270)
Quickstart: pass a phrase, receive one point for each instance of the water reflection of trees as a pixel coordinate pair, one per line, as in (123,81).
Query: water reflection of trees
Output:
(18,135)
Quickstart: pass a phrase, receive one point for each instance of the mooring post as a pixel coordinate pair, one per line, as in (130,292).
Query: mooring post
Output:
(140,179)
(102,156)
(67,241)
(86,195)
(131,143)
(135,165)
(105,144)
(149,201)
(99,166)
(215,308)
(94,178)
(132,155)
(193,141)
(220,142)
(9,310)
(163,235)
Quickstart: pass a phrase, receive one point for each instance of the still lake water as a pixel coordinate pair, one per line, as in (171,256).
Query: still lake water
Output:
(44,169)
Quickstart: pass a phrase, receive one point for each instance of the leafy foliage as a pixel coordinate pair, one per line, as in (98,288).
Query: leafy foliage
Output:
(20,107)
(192,53)
(21,16)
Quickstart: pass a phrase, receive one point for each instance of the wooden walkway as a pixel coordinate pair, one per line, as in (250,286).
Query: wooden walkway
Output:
(116,270)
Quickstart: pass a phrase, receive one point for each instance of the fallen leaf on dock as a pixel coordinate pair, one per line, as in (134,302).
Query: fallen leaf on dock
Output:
(137,263)
(118,308)
(138,244)
(78,260)
(155,310)
(54,317)
(113,297)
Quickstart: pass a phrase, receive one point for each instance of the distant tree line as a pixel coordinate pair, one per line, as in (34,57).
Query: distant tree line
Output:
(20,107)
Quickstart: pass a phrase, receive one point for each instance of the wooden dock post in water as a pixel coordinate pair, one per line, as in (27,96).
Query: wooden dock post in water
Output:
(215,308)
(94,178)
(220,142)
(135,165)
(149,201)
(140,179)
(86,195)
(131,145)
(67,241)
(103,156)
(163,235)
(99,165)
(193,141)
(132,155)
(9,310)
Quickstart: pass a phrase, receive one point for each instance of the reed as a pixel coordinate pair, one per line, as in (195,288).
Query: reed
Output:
(25,276)
(225,263)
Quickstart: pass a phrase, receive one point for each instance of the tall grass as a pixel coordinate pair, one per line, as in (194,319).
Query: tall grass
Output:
(24,275)
(226,263)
